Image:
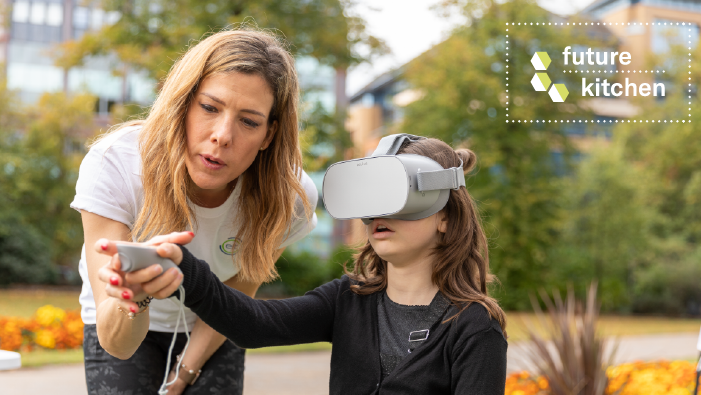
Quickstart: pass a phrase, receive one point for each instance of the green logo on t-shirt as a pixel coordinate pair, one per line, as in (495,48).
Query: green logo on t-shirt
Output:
(230,246)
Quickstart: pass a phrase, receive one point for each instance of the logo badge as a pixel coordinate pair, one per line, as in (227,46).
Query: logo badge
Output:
(230,246)
(541,81)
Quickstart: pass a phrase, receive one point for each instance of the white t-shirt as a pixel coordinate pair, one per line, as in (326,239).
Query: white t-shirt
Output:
(109,184)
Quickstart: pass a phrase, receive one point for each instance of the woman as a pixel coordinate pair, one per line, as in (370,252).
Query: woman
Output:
(217,154)
(413,317)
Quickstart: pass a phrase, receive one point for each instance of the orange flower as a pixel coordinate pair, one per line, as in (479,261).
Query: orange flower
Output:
(51,327)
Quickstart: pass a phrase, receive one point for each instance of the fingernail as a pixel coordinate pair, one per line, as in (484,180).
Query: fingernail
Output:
(125,295)
(158,269)
(191,234)
(114,280)
(132,309)
(104,247)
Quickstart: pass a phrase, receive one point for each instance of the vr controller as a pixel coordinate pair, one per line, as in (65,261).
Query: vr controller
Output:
(135,258)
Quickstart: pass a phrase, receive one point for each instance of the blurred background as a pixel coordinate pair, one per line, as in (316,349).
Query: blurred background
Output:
(610,200)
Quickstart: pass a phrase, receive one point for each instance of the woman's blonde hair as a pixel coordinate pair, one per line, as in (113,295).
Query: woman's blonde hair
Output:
(461,257)
(270,187)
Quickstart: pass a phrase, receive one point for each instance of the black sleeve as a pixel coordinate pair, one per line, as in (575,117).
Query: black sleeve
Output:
(252,323)
(479,364)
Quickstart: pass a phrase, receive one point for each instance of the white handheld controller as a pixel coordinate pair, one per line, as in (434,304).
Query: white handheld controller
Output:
(135,258)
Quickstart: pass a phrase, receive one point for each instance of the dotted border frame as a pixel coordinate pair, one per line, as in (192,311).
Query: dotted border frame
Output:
(564,71)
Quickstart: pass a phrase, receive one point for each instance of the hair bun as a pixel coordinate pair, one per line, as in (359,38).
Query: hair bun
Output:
(469,159)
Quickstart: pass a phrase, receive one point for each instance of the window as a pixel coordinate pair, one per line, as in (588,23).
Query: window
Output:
(37,16)
(34,77)
(112,17)
(20,12)
(97,18)
(54,14)
(80,17)
(669,34)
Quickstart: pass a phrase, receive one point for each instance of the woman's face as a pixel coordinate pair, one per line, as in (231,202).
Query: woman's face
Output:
(226,124)
(404,242)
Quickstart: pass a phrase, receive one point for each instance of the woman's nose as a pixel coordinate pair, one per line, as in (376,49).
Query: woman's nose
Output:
(223,133)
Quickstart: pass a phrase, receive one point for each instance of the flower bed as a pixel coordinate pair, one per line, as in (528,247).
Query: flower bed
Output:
(50,328)
(635,378)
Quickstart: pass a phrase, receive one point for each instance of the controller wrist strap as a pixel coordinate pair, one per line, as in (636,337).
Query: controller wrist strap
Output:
(181,313)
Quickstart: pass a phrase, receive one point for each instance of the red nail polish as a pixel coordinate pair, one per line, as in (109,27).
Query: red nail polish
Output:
(114,280)
(132,309)
(125,295)
(104,247)
(191,234)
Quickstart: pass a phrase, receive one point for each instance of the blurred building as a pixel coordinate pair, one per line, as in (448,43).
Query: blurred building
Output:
(641,39)
(35,27)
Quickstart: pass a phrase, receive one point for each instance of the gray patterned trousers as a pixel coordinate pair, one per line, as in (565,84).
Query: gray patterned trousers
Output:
(142,374)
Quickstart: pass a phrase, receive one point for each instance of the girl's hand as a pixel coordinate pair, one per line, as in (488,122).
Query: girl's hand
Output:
(137,285)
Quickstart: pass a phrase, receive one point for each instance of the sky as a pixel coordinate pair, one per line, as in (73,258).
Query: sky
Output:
(410,27)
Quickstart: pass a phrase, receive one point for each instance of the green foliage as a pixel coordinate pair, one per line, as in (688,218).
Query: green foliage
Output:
(670,288)
(633,209)
(605,233)
(151,35)
(25,255)
(38,172)
(304,271)
(323,138)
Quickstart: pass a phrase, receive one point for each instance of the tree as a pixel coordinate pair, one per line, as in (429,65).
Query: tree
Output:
(39,166)
(605,236)
(152,35)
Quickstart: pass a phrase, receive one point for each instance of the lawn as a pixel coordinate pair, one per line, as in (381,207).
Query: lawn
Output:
(610,325)
(23,303)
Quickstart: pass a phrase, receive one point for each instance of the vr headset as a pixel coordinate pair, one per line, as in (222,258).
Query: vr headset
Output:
(405,186)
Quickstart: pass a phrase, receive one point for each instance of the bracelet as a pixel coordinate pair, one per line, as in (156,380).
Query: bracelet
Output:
(187,375)
(129,313)
(145,302)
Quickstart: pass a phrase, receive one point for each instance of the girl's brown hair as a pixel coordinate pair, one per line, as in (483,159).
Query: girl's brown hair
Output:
(270,187)
(461,263)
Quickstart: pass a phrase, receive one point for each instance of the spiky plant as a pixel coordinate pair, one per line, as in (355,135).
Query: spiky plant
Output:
(571,355)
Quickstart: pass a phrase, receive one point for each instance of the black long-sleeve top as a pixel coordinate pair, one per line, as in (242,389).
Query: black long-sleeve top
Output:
(467,355)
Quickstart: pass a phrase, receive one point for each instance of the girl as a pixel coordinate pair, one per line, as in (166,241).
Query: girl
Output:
(412,317)
(218,154)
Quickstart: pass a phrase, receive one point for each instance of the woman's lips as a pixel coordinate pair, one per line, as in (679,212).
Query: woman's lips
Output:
(210,165)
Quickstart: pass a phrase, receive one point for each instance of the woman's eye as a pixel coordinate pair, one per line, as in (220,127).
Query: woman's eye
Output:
(208,108)
(250,123)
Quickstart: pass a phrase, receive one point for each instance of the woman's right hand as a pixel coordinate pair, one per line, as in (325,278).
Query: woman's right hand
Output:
(129,287)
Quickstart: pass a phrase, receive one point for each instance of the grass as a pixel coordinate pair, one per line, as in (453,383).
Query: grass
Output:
(40,357)
(24,302)
(609,325)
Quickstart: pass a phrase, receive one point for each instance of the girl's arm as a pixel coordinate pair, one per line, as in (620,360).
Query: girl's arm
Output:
(252,323)
(205,341)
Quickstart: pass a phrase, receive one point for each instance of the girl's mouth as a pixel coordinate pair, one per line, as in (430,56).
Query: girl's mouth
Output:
(382,232)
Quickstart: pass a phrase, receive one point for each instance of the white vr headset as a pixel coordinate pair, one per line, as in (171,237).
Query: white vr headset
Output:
(386,185)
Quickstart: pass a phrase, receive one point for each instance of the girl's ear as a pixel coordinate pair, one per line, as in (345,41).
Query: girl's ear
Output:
(442,222)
